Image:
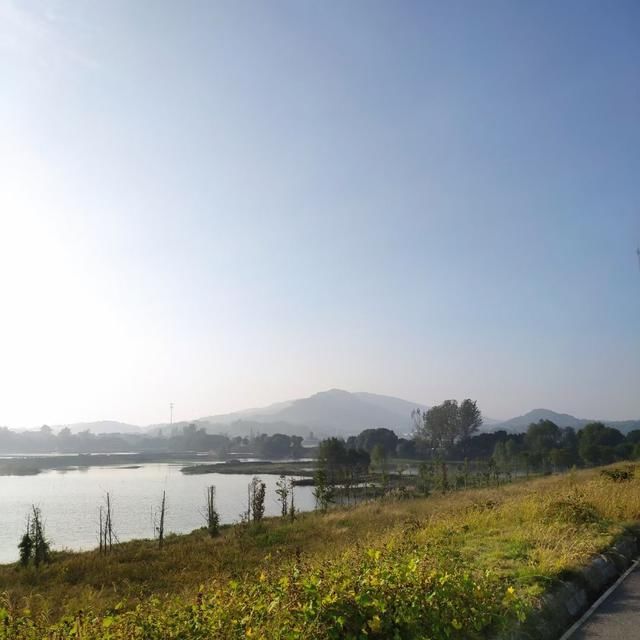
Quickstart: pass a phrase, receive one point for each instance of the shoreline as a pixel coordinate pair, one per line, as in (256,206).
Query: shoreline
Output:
(33,465)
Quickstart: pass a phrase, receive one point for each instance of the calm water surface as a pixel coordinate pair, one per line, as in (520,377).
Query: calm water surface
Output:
(70,501)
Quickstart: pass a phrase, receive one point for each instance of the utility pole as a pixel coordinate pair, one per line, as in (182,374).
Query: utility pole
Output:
(171,414)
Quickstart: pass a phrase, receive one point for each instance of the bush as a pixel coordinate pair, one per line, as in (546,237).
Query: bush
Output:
(399,589)
(573,509)
(619,474)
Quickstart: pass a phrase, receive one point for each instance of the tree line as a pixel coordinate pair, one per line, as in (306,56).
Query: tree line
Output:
(180,439)
(450,431)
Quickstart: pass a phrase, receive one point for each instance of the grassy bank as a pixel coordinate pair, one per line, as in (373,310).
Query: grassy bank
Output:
(254,468)
(32,465)
(449,566)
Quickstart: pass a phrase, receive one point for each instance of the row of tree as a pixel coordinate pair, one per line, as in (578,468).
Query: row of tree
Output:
(189,438)
(449,431)
(548,447)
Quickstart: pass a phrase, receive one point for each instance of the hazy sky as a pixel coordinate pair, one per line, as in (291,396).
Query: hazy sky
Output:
(227,204)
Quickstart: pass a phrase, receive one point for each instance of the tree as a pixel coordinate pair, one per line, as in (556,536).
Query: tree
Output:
(368,439)
(406,448)
(332,455)
(213,518)
(357,461)
(481,446)
(597,442)
(257,490)
(107,534)
(560,458)
(323,491)
(282,491)
(379,461)
(160,527)
(540,439)
(25,545)
(426,473)
(292,506)
(41,550)
(469,420)
(279,445)
(634,436)
(338,462)
(379,458)
(500,454)
(441,427)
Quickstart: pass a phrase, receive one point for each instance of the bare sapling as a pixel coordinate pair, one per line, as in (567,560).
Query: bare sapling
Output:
(106,534)
(160,527)
(213,517)
(292,507)
(282,491)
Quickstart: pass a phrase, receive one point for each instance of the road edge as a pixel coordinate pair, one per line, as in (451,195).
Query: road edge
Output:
(596,605)
(571,601)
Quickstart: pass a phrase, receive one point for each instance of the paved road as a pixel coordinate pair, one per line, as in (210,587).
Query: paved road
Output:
(618,618)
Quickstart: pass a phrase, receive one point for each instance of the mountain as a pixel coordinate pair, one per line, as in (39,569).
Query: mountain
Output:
(102,426)
(245,414)
(333,412)
(520,423)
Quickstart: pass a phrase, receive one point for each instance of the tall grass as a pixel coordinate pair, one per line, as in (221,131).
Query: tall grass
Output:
(451,566)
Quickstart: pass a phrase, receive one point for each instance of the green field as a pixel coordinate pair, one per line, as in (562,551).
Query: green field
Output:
(455,565)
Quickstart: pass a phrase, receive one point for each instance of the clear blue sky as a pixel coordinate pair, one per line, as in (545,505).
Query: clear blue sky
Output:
(226,204)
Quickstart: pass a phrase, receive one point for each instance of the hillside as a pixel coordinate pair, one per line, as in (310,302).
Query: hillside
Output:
(379,570)
(520,423)
(333,412)
(101,426)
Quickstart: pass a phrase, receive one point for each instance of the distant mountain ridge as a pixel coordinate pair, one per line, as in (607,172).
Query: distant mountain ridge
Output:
(333,412)
(520,423)
(336,413)
(101,426)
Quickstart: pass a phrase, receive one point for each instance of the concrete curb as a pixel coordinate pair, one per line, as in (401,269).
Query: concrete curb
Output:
(576,626)
(571,598)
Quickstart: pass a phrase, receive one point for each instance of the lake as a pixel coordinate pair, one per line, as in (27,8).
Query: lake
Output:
(70,500)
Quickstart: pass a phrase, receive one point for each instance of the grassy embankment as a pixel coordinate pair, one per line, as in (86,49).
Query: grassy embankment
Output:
(449,566)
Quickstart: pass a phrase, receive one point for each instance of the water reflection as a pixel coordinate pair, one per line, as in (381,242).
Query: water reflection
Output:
(70,500)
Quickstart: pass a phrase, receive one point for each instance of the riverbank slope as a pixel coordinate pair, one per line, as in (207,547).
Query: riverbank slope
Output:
(461,564)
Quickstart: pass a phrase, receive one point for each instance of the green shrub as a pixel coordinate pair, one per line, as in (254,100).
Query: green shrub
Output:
(619,474)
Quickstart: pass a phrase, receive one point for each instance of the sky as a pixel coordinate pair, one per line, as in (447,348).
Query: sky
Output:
(228,204)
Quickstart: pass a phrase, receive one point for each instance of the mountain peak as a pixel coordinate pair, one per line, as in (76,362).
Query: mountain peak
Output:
(326,413)
(520,423)
(331,392)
